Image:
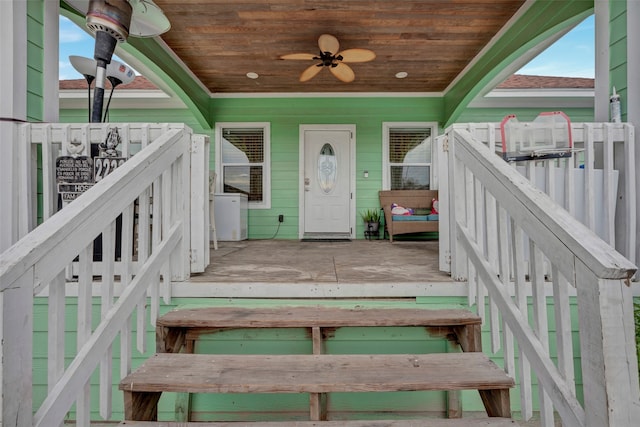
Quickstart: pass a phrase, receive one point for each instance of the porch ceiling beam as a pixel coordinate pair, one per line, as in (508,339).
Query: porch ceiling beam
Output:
(540,21)
(174,73)
(158,59)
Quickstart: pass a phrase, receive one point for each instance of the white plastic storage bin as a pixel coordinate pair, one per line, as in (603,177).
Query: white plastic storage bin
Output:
(548,136)
(231,216)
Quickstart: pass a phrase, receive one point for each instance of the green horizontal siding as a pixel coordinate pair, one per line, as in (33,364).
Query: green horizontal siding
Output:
(618,52)
(35,60)
(35,80)
(289,341)
(285,116)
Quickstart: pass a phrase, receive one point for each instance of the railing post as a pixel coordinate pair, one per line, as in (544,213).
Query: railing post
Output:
(457,210)
(181,263)
(609,361)
(16,344)
(444,206)
(199,200)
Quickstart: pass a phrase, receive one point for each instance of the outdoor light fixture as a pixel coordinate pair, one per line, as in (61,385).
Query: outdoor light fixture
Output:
(114,21)
(117,73)
(110,21)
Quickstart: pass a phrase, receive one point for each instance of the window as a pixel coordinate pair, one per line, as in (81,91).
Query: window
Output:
(407,155)
(242,161)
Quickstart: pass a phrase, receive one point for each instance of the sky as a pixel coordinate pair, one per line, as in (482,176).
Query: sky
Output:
(73,41)
(571,56)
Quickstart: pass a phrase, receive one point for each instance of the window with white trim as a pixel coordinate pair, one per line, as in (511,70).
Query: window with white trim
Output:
(243,161)
(407,155)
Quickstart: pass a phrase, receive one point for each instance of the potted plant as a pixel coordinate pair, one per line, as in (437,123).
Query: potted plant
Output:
(371,218)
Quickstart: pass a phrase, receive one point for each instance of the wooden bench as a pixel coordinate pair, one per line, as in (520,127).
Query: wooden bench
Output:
(314,374)
(415,199)
(431,422)
(179,330)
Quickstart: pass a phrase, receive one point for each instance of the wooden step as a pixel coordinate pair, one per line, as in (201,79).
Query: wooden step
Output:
(305,316)
(173,327)
(430,422)
(314,374)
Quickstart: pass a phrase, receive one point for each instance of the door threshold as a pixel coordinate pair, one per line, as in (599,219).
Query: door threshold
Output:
(326,237)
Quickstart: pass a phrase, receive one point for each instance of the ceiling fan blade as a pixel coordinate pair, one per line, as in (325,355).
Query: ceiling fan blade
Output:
(310,72)
(357,55)
(343,72)
(299,56)
(328,43)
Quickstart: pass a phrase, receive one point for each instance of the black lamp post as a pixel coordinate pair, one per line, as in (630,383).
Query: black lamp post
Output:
(110,21)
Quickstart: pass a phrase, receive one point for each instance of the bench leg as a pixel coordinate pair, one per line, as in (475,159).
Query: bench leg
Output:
(454,397)
(317,341)
(318,406)
(141,406)
(454,404)
(183,407)
(169,340)
(469,337)
(317,401)
(183,400)
(496,402)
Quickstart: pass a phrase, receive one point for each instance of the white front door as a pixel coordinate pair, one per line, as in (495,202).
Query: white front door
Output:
(326,182)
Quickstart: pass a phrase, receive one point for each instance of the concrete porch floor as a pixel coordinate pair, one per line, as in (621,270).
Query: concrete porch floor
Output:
(324,262)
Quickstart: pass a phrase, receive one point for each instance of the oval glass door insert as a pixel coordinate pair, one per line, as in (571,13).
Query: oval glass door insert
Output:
(327,169)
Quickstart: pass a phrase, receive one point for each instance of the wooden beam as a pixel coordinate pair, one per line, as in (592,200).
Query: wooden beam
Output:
(141,406)
(496,402)
(541,20)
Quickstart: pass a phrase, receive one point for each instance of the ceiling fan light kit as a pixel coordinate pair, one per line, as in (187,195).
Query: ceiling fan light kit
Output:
(331,57)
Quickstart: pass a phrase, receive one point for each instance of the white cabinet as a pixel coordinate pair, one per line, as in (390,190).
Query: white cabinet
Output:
(231,211)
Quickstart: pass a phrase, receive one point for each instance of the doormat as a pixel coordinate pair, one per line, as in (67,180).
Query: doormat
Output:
(308,239)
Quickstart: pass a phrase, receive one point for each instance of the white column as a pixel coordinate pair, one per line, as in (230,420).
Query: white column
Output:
(633,91)
(13,93)
(51,62)
(16,302)
(602,90)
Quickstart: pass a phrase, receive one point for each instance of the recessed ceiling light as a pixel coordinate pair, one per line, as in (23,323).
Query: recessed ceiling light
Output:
(401,75)
(252,75)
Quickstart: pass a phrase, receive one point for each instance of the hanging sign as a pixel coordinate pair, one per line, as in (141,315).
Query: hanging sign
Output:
(103,166)
(74,169)
(74,175)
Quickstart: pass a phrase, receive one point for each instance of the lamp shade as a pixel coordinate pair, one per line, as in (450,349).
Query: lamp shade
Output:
(116,69)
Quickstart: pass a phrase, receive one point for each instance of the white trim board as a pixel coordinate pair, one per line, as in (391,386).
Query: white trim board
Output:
(314,290)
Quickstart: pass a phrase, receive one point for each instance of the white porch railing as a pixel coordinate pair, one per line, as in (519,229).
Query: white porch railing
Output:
(54,140)
(597,185)
(41,260)
(497,217)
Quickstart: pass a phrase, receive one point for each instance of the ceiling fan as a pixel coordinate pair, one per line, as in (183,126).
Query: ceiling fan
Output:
(333,59)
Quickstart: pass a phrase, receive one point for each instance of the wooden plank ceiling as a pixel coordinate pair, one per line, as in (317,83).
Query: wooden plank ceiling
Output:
(221,41)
